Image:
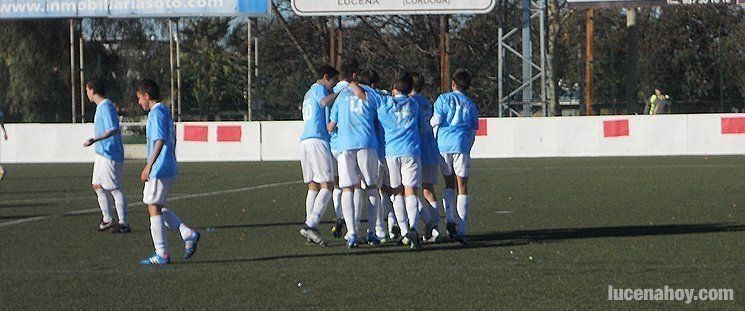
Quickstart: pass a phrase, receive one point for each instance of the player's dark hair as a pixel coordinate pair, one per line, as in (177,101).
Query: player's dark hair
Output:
(369,77)
(326,70)
(462,78)
(348,69)
(404,83)
(97,86)
(418,81)
(149,87)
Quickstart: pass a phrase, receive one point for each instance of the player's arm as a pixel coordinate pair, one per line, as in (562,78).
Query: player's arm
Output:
(329,99)
(333,117)
(157,148)
(105,135)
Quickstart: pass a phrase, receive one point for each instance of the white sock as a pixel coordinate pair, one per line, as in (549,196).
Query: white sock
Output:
(336,197)
(373,203)
(387,209)
(174,223)
(380,219)
(359,194)
(434,213)
(310,199)
(158,232)
(319,207)
(347,206)
(463,207)
(412,211)
(399,208)
(448,201)
(104,202)
(120,201)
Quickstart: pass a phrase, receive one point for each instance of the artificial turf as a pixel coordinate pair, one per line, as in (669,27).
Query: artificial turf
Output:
(545,234)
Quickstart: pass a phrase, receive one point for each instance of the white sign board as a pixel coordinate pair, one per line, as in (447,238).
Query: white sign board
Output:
(390,7)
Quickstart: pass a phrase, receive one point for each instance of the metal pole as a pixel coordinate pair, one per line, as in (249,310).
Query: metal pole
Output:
(528,56)
(589,58)
(82,79)
(249,71)
(171,61)
(542,8)
(332,42)
(256,57)
(72,70)
(178,71)
(500,69)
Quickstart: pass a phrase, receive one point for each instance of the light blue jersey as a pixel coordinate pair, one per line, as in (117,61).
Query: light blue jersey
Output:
(379,131)
(314,114)
(333,141)
(106,120)
(355,119)
(160,127)
(400,120)
(430,154)
(458,121)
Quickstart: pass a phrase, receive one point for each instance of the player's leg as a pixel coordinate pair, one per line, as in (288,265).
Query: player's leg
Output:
(348,180)
(448,195)
(321,164)
(120,200)
(152,196)
(367,160)
(430,207)
(336,231)
(411,180)
(397,190)
(462,167)
(306,165)
(103,196)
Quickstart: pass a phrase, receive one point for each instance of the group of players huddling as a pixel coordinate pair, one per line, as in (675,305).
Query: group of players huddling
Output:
(362,143)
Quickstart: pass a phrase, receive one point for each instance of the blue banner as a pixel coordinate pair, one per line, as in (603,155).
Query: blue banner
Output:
(22,9)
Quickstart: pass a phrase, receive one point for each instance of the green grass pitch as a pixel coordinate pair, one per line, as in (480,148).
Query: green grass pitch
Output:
(546,234)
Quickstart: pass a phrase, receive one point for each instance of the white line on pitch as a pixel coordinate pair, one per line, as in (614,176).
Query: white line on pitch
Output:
(175,198)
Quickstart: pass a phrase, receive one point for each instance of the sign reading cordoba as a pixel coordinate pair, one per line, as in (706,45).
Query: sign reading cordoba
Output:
(390,7)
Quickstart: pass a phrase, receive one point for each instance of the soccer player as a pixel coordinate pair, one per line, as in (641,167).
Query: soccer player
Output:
(375,217)
(455,120)
(353,116)
(5,137)
(316,158)
(400,120)
(348,72)
(107,169)
(430,160)
(159,174)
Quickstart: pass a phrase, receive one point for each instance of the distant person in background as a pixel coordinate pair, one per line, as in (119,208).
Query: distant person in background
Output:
(659,103)
(5,137)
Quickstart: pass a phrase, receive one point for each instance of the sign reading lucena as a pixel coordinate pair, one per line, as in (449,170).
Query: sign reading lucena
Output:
(390,7)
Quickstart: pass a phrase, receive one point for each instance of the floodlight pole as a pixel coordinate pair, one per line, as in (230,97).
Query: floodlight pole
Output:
(249,71)
(170,54)
(82,78)
(444,57)
(527,52)
(332,42)
(72,69)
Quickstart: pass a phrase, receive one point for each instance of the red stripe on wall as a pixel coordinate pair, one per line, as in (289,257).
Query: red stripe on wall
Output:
(733,125)
(483,129)
(616,128)
(229,133)
(195,133)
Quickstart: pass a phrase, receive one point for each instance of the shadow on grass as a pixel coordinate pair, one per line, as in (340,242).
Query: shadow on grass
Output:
(514,238)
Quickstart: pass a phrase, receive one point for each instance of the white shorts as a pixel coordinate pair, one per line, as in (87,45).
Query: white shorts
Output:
(106,173)
(317,161)
(382,175)
(156,191)
(358,165)
(404,171)
(431,174)
(456,163)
